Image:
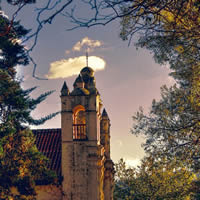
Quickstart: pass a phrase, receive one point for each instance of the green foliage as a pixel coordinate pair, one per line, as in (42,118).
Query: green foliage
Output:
(154,180)
(15,103)
(172,127)
(170,30)
(12,53)
(125,181)
(171,20)
(21,164)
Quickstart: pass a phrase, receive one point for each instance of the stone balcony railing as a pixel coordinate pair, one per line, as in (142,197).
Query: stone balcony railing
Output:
(79,132)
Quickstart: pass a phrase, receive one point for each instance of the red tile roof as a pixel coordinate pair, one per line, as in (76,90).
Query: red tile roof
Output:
(48,141)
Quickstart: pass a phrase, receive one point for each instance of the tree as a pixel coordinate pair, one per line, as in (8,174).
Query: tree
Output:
(170,29)
(170,17)
(153,180)
(21,164)
(172,127)
(125,181)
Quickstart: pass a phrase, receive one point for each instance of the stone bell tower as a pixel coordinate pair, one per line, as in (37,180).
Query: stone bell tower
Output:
(87,168)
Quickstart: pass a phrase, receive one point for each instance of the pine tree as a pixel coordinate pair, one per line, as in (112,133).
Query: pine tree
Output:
(21,164)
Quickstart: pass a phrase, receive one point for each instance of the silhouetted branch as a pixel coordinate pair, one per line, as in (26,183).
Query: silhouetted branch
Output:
(143,17)
(34,67)
(49,19)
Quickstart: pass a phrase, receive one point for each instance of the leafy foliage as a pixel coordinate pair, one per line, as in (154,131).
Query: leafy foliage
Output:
(153,180)
(170,29)
(21,164)
(172,127)
(173,22)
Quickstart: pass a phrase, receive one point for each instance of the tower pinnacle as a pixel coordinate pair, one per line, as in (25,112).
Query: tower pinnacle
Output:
(64,90)
(104,114)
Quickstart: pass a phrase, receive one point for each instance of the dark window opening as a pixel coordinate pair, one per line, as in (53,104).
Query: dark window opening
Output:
(79,126)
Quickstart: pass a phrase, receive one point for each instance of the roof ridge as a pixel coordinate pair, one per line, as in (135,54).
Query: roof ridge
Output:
(45,129)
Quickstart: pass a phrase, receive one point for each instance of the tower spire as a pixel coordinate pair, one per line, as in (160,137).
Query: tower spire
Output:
(65,90)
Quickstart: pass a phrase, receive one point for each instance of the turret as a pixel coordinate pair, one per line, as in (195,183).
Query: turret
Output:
(105,133)
(64,91)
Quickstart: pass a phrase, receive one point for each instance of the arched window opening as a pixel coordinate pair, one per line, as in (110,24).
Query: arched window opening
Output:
(79,126)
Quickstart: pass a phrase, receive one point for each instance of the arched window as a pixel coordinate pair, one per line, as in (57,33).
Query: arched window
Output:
(79,125)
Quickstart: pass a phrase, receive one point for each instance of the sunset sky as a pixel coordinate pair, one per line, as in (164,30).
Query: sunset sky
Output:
(125,77)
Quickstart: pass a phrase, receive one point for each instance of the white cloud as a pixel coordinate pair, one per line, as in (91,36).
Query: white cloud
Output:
(68,67)
(87,44)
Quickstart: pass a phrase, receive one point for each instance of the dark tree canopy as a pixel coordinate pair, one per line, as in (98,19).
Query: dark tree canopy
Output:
(21,164)
(172,127)
(171,31)
(154,180)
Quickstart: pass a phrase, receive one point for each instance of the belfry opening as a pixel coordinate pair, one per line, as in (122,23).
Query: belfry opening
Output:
(79,123)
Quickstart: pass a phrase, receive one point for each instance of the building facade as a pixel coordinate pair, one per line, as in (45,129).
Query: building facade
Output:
(83,143)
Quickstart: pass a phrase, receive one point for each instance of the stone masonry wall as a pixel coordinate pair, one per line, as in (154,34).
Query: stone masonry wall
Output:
(48,192)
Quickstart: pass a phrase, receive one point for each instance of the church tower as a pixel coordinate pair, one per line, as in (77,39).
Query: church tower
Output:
(87,168)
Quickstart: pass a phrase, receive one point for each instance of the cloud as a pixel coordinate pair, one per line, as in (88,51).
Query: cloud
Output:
(68,67)
(87,44)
